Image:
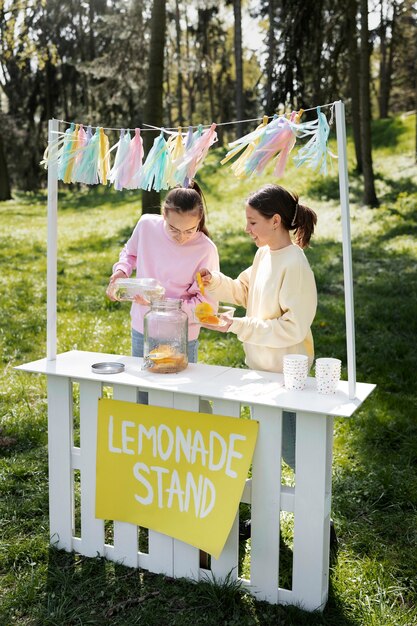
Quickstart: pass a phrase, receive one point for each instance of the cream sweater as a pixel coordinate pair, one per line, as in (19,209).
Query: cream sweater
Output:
(279,294)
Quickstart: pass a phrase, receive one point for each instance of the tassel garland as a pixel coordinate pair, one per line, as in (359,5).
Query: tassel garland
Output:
(84,157)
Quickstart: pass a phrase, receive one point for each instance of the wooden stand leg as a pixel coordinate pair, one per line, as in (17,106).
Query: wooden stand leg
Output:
(61,510)
(266,493)
(92,529)
(125,535)
(312,510)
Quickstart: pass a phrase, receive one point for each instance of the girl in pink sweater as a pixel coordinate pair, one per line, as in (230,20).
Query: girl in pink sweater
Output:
(170,248)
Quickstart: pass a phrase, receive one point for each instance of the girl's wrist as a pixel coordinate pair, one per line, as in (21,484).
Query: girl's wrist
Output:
(119,273)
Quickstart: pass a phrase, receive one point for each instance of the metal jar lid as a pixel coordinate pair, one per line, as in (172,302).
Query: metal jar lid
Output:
(107,367)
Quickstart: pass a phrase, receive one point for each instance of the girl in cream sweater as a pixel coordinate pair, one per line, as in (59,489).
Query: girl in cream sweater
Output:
(278,290)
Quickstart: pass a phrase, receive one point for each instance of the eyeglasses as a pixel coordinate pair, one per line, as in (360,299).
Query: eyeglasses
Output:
(178,232)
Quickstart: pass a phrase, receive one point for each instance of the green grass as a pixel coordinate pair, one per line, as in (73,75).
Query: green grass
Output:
(373,577)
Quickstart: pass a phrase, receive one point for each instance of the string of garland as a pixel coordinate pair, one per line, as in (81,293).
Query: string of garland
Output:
(83,156)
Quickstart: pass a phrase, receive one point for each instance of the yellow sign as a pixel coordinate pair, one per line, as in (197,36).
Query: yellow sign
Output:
(180,473)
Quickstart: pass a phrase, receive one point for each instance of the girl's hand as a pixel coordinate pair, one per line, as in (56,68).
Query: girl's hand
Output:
(205,275)
(141,300)
(223,328)
(110,288)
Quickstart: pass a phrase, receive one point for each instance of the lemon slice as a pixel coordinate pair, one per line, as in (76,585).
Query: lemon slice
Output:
(200,283)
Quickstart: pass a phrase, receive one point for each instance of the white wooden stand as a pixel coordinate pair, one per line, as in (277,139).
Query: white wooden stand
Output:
(228,389)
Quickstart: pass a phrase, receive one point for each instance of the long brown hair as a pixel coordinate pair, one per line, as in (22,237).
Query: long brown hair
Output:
(188,199)
(273,199)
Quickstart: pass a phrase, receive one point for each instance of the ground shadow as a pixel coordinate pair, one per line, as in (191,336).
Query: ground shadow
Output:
(395,187)
(96,591)
(387,133)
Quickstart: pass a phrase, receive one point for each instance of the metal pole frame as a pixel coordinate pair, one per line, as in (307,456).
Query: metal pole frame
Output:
(347,246)
(52,242)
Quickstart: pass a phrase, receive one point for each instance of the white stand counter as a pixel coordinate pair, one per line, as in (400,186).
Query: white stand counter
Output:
(228,389)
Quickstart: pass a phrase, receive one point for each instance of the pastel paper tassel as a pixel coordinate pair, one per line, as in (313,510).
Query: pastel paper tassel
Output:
(238,167)
(121,154)
(195,156)
(89,133)
(278,137)
(286,143)
(87,169)
(65,153)
(120,171)
(104,158)
(72,153)
(315,152)
(176,147)
(190,140)
(191,136)
(81,144)
(180,169)
(247,141)
(133,165)
(59,145)
(155,167)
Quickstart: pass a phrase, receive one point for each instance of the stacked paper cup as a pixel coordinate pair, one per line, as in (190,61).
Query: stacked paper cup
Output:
(327,375)
(295,371)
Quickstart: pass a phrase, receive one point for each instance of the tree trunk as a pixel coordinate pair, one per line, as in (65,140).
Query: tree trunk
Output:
(237,11)
(369,198)
(168,93)
(415,92)
(5,193)
(354,81)
(204,19)
(386,61)
(179,70)
(151,200)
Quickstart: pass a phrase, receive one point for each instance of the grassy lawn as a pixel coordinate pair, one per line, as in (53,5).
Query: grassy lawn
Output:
(373,579)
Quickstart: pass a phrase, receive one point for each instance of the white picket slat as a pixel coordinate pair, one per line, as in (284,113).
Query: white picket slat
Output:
(125,535)
(311,510)
(161,547)
(61,507)
(92,529)
(265,510)
(227,564)
(186,558)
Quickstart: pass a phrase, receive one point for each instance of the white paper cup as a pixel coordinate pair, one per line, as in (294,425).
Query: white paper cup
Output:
(295,361)
(327,375)
(295,368)
(328,362)
(294,383)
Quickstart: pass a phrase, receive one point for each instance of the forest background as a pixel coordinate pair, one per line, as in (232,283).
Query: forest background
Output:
(122,63)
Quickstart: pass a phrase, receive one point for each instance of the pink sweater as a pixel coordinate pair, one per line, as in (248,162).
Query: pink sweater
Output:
(152,253)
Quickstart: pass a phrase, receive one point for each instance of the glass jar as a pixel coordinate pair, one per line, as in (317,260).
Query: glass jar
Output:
(165,329)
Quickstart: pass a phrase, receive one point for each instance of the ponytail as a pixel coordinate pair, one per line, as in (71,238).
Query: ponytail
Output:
(303,223)
(202,224)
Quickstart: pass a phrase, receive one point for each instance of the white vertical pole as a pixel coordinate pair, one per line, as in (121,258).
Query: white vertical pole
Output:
(347,248)
(52,241)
